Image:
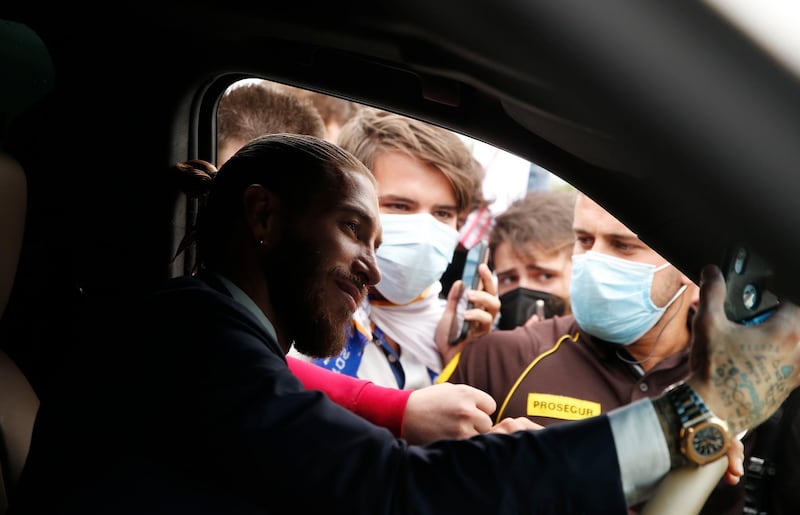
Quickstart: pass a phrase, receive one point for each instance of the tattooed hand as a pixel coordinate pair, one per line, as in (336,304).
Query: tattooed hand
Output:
(743,373)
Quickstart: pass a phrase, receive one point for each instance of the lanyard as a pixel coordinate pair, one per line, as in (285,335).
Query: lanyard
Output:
(380,339)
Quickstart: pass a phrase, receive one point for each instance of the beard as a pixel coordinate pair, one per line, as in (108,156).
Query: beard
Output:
(296,275)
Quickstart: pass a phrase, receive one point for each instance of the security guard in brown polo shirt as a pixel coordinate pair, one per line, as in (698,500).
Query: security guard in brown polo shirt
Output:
(627,338)
(629,335)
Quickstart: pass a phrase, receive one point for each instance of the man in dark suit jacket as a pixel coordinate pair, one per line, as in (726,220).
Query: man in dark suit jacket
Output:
(202,414)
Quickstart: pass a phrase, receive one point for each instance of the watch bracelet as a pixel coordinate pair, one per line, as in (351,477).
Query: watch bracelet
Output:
(671,426)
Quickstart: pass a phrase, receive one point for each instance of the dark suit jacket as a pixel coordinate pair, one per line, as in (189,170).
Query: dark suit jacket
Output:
(199,413)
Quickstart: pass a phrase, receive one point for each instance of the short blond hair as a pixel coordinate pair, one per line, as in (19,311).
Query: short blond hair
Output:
(373,132)
(255,109)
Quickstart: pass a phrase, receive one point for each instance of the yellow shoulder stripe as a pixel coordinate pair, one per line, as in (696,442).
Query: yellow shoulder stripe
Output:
(448,370)
(527,370)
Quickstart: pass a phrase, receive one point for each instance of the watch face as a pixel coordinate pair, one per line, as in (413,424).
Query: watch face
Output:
(708,441)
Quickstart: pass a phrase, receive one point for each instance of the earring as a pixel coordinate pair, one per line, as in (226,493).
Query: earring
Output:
(261,242)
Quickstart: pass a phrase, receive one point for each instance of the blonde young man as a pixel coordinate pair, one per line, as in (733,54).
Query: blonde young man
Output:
(426,179)
(261,108)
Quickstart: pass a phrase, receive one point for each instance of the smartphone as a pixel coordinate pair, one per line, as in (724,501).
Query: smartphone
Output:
(472,280)
(540,309)
(748,279)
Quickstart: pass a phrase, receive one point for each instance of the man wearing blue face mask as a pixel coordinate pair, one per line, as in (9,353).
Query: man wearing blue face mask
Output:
(427,178)
(627,338)
(628,335)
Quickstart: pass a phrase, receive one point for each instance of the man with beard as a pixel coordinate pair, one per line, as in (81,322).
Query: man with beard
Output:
(254,109)
(204,415)
(427,178)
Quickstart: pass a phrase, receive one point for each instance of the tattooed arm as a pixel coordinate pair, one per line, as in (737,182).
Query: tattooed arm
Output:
(744,373)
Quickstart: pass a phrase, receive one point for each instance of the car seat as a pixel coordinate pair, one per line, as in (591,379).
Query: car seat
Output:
(18,401)
(27,71)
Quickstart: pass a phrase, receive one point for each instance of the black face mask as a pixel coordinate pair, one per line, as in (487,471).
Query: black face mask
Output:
(519,304)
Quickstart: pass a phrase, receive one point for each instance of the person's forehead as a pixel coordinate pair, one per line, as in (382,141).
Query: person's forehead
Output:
(400,175)
(505,256)
(590,216)
(359,194)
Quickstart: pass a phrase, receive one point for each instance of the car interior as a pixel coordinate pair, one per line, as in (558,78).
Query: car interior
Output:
(667,113)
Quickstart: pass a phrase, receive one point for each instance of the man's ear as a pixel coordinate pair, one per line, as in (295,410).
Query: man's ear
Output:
(260,207)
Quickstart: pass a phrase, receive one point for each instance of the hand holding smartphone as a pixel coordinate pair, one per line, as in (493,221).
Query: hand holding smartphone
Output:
(748,279)
(471,280)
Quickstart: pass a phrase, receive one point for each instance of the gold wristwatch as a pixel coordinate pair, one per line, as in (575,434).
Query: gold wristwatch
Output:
(704,437)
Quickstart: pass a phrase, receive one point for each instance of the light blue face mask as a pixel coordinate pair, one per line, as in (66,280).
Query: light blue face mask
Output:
(414,253)
(610,297)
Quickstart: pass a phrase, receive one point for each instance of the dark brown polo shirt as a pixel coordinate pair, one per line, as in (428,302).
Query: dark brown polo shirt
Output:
(553,372)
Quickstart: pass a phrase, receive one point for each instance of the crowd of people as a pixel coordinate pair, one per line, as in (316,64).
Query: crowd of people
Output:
(322,249)
(625,336)
(255,109)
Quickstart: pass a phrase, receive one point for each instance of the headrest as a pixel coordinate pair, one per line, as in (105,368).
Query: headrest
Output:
(28,75)
(26,68)
(13,202)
